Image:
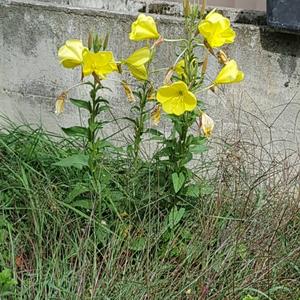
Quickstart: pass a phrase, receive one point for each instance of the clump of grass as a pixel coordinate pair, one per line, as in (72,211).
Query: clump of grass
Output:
(239,237)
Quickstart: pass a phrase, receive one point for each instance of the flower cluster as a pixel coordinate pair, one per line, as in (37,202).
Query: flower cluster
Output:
(179,94)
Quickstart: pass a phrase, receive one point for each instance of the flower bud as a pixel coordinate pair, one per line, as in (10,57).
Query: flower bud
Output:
(90,41)
(186,8)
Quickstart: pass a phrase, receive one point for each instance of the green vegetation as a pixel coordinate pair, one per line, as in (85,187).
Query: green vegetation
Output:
(234,235)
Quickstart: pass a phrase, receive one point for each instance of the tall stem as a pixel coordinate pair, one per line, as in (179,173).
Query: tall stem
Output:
(92,136)
(139,129)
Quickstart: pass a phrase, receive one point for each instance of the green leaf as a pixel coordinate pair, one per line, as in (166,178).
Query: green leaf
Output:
(75,131)
(242,251)
(198,144)
(197,140)
(130,120)
(77,161)
(138,244)
(84,203)
(105,42)
(154,132)
(81,104)
(193,191)
(6,280)
(175,216)
(249,297)
(77,190)
(206,189)
(197,149)
(178,181)
(102,235)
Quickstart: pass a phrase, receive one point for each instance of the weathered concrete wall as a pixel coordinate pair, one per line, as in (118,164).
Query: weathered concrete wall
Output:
(30,77)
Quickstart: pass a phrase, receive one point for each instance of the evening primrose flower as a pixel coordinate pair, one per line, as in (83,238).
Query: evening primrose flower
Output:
(70,54)
(136,63)
(176,98)
(207,124)
(144,28)
(100,63)
(229,74)
(216,30)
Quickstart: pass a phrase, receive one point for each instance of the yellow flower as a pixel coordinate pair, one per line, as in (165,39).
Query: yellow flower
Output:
(60,103)
(70,54)
(100,63)
(179,68)
(155,115)
(136,63)
(144,28)
(176,98)
(229,74)
(216,30)
(207,124)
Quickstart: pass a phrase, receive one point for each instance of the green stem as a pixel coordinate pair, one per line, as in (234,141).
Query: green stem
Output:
(139,129)
(92,136)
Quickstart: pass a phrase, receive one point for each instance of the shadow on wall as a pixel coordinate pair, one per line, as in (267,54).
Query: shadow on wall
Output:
(287,46)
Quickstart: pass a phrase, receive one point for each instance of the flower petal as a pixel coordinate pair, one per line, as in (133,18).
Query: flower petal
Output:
(139,72)
(216,30)
(228,74)
(143,28)
(190,101)
(139,57)
(179,107)
(165,93)
(70,54)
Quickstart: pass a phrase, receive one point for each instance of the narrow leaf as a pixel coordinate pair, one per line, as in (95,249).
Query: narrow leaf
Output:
(81,104)
(75,131)
(77,161)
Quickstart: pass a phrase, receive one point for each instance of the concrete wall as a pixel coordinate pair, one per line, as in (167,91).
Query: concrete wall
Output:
(244,4)
(268,100)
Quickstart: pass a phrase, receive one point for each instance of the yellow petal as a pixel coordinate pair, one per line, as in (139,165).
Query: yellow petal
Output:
(166,92)
(102,63)
(228,35)
(169,105)
(140,72)
(179,108)
(216,30)
(176,98)
(240,76)
(70,54)
(139,57)
(190,101)
(143,28)
(229,74)
(179,68)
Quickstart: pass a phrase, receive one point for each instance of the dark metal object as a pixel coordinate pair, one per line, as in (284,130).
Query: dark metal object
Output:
(284,14)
